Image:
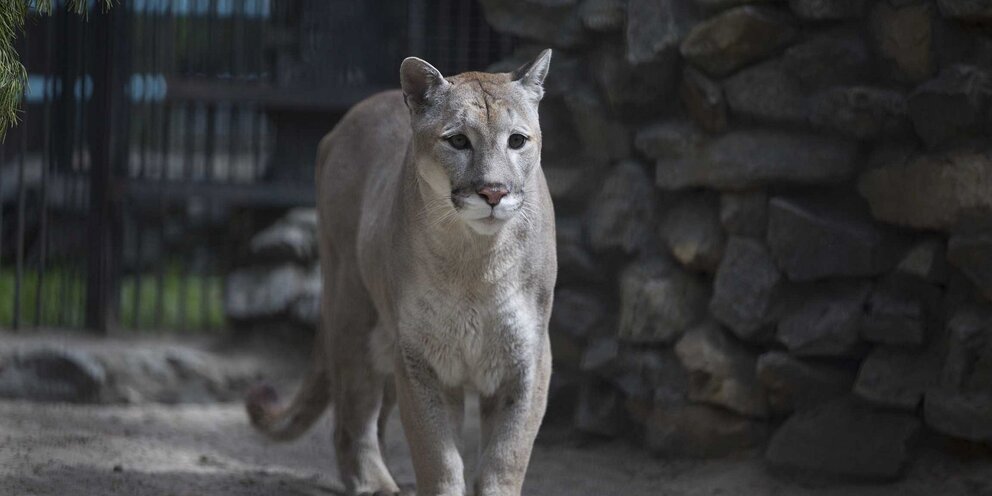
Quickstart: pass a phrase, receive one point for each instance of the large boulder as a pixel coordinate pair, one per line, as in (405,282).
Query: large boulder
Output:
(814,238)
(51,375)
(961,406)
(737,37)
(658,301)
(261,292)
(794,384)
(669,139)
(953,106)
(577,313)
(622,213)
(746,289)
(972,253)
(766,92)
(903,39)
(576,264)
(703,100)
(821,10)
(845,440)
(933,191)
(902,311)
(602,138)
(967,10)
(831,57)
(600,409)
(896,377)
(926,260)
(721,371)
(700,431)
(633,90)
(655,29)
(825,320)
(744,213)
(691,229)
(861,112)
(293,237)
(556,23)
(603,15)
(747,159)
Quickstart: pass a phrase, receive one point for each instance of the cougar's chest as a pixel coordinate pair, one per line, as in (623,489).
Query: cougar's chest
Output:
(470,340)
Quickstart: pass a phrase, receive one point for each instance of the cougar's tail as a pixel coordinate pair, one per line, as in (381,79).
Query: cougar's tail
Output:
(284,423)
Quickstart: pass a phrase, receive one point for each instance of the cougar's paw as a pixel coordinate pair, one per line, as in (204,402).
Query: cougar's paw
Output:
(259,400)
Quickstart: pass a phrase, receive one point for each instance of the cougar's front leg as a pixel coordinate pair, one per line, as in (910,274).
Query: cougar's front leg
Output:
(510,420)
(431,420)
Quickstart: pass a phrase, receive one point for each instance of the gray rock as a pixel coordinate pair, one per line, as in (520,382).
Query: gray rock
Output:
(745,291)
(900,311)
(576,265)
(261,292)
(669,139)
(903,39)
(794,385)
(577,313)
(972,253)
(968,361)
(933,191)
(814,238)
(968,10)
(896,377)
(966,415)
(555,23)
(816,10)
(951,107)
(691,229)
(52,375)
(861,112)
(829,58)
(659,301)
(700,431)
(601,357)
(767,93)
(718,5)
(825,320)
(845,440)
(622,213)
(703,100)
(633,90)
(655,29)
(650,375)
(736,37)
(926,260)
(306,310)
(602,138)
(291,238)
(751,158)
(721,371)
(603,15)
(744,213)
(600,409)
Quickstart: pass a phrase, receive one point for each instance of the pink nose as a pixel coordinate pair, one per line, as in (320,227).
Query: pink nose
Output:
(493,193)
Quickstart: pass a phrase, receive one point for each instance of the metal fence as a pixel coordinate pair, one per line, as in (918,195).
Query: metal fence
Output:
(158,137)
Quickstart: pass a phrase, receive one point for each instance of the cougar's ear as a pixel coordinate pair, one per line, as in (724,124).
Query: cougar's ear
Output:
(531,75)
(420,82)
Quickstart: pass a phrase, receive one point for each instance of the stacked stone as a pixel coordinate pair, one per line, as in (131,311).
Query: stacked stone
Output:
(775,223)
(280,279)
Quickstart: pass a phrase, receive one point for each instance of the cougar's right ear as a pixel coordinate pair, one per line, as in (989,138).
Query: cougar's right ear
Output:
(420,82)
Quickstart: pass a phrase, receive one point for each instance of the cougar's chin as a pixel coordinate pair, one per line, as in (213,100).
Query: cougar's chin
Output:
(486,226)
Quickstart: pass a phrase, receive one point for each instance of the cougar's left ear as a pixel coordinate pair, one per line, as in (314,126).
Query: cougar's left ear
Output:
(531,75)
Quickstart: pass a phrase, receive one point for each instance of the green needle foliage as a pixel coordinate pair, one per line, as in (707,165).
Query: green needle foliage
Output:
(13,75)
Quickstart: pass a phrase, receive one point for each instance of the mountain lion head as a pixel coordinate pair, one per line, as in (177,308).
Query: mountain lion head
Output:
(476,139)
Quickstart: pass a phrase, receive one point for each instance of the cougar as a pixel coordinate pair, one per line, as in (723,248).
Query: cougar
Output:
(437,252)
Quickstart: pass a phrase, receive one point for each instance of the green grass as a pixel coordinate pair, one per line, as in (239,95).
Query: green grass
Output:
(64,296)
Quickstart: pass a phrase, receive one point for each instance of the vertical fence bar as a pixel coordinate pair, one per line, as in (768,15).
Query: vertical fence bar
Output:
(21,220)
(46,159)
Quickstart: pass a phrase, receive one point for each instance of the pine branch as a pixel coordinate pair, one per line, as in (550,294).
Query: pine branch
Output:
(13,75)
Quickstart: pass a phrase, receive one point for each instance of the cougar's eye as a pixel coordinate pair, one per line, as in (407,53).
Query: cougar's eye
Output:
(517,141)
(459,142)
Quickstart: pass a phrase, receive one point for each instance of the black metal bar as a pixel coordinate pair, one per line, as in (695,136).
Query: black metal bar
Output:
(21,208)
(46,160)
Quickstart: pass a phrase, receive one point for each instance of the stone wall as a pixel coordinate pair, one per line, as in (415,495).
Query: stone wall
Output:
(773,223)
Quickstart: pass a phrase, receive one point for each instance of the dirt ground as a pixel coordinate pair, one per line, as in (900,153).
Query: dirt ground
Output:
(179,450)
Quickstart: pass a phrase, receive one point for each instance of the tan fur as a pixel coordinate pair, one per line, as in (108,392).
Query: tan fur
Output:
(428,283)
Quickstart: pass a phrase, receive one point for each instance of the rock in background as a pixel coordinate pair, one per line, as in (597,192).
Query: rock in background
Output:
(774,225)
(775,217)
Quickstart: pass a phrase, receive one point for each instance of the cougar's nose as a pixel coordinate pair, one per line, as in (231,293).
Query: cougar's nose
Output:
(493,193)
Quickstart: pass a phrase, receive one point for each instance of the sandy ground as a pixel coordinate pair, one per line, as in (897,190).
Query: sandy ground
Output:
(210,450)
(180,450)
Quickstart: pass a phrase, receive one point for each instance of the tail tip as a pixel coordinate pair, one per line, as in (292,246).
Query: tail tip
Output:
(259,401)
